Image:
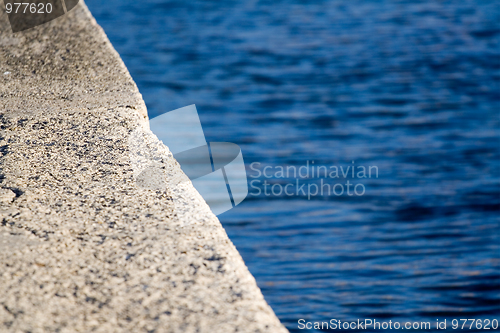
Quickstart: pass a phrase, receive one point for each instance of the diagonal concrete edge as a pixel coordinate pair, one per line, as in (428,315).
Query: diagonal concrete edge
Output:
(82,247)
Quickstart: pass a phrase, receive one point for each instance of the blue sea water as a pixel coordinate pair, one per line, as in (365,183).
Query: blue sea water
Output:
(411,87)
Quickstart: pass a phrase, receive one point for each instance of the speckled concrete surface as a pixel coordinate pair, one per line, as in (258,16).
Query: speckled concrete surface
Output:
(84,247)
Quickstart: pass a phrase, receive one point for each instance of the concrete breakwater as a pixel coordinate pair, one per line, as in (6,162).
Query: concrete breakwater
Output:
(82,247)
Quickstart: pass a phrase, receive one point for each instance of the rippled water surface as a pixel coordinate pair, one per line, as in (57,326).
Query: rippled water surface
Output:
(411,87)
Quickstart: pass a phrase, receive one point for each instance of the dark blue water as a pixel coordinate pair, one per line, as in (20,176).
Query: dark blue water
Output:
(412,87)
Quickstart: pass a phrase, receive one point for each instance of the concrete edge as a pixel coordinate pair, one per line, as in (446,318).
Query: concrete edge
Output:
(93,252)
